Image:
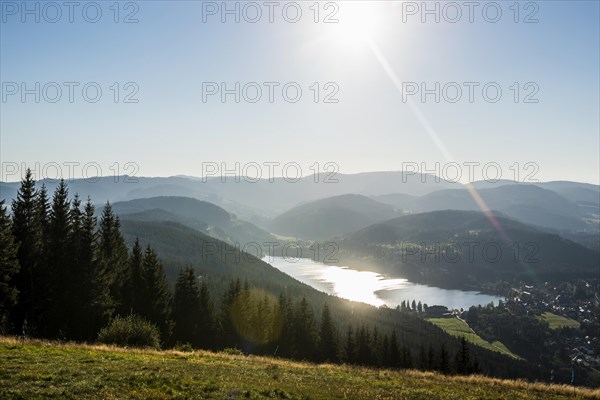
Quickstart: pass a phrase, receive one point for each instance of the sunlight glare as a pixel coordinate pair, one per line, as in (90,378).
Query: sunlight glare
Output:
(359,22)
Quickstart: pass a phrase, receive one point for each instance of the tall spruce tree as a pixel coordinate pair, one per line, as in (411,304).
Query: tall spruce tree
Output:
(28,237)
(385,351)
(363,344)
(350,347)
(422,358)
(328,340)
(157,294)
(77,280)
(304,331)
(186,308)
(9,266)
(59,304)
(443,360)
(394,350)
(406,357)
(134,299)
(43,217)
(96,302)
(206,318)
(112,258)
(284,344)
(463,360)
(228,336)
(430,358)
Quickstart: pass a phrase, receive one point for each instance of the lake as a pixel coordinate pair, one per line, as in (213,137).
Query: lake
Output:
(373,288)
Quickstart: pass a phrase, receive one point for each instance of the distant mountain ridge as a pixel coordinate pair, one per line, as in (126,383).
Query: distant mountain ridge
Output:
(200,215)
(333,216)
(528,203)
(448,248)
(258,202)
(244,198)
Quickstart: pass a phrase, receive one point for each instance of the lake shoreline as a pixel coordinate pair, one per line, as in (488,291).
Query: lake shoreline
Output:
(374,288)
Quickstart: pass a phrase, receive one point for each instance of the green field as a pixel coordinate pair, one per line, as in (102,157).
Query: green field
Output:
(556,321)
(36,369)
(458,327)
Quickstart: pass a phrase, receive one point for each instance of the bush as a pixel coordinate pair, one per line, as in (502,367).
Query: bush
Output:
(186,347)
(233,351)
(131,331)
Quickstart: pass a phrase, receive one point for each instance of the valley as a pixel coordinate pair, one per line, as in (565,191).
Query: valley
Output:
(386,274)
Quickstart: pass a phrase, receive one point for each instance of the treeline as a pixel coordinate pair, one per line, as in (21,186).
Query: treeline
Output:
(256,322)
(67,274)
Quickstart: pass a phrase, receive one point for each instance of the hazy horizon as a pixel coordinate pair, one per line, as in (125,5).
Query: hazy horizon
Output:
(167,75)
(431,177)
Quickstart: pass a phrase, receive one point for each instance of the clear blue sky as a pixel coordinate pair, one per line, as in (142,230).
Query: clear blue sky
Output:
(170,52)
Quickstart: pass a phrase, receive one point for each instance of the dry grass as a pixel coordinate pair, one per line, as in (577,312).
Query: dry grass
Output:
(44,369)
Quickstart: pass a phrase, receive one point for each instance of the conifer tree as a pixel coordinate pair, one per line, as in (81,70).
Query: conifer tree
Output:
(228,336)
(58,304)
(463,361)
(350,348)
(157,294)
(9,266)
(134,299)
(43,216)
(443,360)
(422,358)
(394,351)
(328,341)
(77,284)
(284,344)
(206,322)
(96,302)
(363,345)
(304,336)
(186,308)
(406,357)
(28,237)
(385,351)
(112,259)
(430,358)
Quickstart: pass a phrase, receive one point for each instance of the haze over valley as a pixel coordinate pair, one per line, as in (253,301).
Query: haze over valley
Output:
(300,200)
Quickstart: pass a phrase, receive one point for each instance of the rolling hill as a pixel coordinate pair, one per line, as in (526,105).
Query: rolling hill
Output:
(558,205)
(528,203)
(331,217)
(466,249)
(246,198)
(205,217)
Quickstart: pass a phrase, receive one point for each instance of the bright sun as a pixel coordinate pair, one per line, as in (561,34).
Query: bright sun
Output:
(358,23)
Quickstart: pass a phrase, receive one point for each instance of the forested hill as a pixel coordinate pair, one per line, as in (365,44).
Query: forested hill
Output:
(200,215)
(333,216)
(69,275)
(468,249)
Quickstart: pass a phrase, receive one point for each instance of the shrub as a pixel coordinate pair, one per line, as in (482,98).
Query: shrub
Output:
(186,347)
(130,331)
(233,351)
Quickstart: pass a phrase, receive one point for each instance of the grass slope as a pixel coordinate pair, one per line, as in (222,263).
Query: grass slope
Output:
(458,327)
(556,321)
(36,369)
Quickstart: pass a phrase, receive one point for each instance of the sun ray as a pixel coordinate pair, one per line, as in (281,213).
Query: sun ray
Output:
(435,137)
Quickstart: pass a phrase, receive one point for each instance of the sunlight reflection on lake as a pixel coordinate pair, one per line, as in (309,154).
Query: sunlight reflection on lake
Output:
(372,288)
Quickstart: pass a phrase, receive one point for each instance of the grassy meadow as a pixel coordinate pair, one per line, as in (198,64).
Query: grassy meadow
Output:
(34,369)
(458,327)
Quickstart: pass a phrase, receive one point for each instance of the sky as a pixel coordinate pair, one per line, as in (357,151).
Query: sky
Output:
(353,72)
